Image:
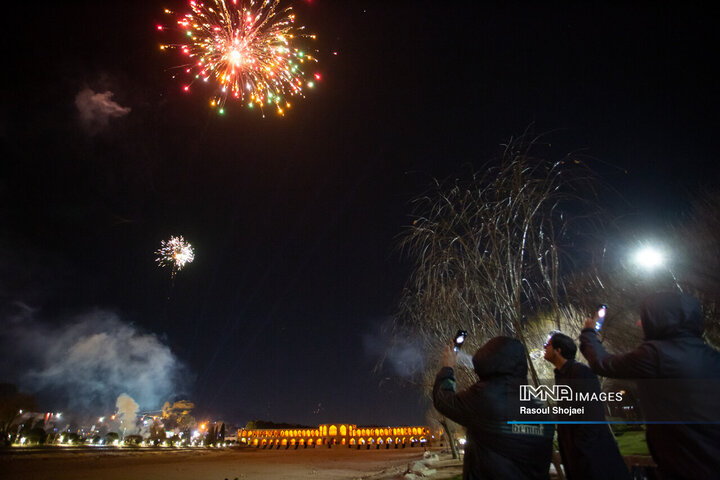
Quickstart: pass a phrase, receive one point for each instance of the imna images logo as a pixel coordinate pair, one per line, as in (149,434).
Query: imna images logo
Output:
(556,393)
(559,393)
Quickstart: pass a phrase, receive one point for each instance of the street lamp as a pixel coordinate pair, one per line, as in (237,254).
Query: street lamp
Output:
(650,258)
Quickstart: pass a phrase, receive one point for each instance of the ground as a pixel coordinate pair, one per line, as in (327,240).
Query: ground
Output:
(207,464)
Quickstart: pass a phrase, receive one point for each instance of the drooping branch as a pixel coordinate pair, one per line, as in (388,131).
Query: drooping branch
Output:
(486,248)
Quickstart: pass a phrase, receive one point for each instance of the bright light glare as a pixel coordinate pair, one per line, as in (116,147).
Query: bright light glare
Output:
(235,57)
(649,257)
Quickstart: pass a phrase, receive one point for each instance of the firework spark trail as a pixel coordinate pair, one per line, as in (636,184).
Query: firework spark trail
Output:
(249,48)
(175,253)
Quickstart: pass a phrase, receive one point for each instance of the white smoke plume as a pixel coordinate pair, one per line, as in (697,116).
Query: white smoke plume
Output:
(90,360)
(96,109)
(465,359)
(403,355)
(127,411)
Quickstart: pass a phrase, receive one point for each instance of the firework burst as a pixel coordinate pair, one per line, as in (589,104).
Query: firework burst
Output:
(175,253)
(249,48)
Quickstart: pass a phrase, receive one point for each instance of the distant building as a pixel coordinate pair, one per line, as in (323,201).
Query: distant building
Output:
(337,434)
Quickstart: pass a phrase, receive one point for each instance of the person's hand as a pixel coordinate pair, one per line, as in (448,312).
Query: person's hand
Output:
(590,323)
(449,357)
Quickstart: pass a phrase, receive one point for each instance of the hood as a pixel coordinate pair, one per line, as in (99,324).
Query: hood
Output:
(501,356)
(668,314)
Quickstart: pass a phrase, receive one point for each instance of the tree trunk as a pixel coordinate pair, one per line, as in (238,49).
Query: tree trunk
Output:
(451,442)
(556,460)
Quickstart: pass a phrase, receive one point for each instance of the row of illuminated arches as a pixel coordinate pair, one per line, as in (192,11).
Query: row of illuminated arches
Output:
(363,432)
(352,441)
(280,433)
(334,430)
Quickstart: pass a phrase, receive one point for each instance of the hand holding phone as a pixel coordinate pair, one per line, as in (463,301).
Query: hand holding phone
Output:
(459,339)
(600,318)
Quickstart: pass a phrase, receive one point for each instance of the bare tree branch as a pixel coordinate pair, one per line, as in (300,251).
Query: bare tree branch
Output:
(486,249)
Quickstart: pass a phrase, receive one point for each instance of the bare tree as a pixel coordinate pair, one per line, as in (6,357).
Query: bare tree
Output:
(487,249)
(177,415)
(699,273)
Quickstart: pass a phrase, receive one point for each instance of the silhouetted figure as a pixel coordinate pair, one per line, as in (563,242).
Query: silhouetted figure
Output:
(588,451)
(494,448)
(677,376)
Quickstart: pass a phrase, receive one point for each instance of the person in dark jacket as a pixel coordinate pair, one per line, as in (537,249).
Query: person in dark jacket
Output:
(677,376)
(495,449)
(588,451)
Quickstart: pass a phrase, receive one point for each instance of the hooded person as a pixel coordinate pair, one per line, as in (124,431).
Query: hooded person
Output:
(495,448)
(678,379)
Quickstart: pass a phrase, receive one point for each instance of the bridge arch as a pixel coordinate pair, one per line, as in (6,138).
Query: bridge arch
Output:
(337,434)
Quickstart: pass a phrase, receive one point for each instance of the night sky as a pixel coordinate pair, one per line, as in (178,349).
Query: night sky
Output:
(295,219)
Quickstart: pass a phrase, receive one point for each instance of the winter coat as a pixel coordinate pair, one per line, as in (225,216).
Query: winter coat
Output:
(678,379)
(494,448)
(588,451)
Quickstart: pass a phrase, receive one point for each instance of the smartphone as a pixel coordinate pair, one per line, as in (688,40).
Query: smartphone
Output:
(600,318)
(459,339)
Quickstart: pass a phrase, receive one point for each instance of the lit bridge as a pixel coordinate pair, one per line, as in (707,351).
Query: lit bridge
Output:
(337,434)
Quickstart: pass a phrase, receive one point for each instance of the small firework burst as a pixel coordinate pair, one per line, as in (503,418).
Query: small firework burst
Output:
(174,253)
(251,49)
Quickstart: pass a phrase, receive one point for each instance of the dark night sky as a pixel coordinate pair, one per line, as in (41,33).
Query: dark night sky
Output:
(295,220)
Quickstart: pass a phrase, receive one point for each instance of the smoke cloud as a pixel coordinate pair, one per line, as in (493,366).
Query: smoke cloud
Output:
(406,359)
(465,359)
(96,109)
(127,410)
(91,360)
(404,356)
